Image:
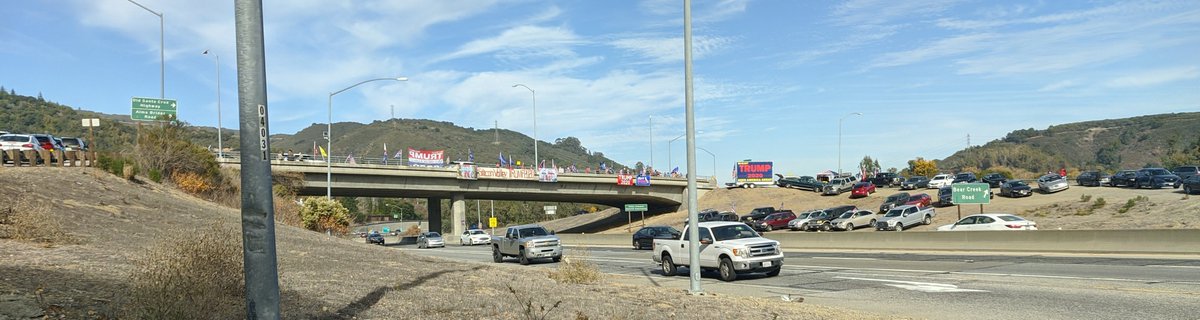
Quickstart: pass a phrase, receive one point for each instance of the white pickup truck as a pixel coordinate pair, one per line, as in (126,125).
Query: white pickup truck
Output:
(731,248)
(906,216)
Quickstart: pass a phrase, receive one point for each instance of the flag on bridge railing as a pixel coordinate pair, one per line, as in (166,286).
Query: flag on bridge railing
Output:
(470,155)
(350,158)
(323,154)
(385,154)
(674,171)
(502,162)
(510,162)
(399,154)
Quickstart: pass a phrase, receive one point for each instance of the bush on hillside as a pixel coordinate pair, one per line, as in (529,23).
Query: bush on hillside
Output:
(199,276)
(28,219)
(322,214)
(165,149)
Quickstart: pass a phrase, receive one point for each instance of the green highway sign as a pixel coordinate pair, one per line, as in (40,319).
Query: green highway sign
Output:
(636,207)
(970,193)
(151,109)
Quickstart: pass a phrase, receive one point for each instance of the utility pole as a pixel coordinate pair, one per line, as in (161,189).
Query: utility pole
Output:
(496,130)
(652,142)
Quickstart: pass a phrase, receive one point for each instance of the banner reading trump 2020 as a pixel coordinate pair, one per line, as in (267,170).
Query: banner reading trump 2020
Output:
(426,158)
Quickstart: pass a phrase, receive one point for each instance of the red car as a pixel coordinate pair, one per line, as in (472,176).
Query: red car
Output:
(775,221)
(920,200)
(862,189)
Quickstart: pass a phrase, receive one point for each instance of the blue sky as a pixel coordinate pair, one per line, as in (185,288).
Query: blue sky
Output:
(772,77)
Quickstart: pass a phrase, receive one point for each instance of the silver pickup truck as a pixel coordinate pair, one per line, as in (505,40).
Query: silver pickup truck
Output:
(527,242)
(906,216)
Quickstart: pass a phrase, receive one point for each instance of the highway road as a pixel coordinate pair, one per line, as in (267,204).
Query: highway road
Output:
(936,285)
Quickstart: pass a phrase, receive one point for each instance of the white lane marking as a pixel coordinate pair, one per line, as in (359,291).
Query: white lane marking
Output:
(993,274)
(1170,266)
(916,286)
(844,258)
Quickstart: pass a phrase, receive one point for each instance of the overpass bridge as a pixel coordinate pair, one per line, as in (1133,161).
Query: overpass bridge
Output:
(460,182)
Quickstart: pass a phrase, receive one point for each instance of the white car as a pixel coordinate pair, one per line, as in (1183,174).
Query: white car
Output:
(474,237)
(940,180)
(990,221)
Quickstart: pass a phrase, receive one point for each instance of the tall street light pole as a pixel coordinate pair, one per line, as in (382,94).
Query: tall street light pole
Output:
(652,141)
(536,164)
(840,139)
(329,135)
(162,60)
(220,148)
(690,121)
(714,157)
(670,151)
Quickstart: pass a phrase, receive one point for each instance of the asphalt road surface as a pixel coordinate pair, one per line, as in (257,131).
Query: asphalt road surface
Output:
(935,285)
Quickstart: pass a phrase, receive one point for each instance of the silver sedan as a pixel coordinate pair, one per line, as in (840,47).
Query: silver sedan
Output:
(1051,183)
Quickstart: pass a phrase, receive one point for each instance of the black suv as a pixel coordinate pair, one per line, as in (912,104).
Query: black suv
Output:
(945,196)
(375,238)
(1156,178)
(1187,171)
(1123,178)
(757,214)
(994,180)
(887,179)
(893,201)
(1090,178)
(965,177)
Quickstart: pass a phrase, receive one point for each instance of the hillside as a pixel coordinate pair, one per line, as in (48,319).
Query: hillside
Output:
(1103,144)
(367,140)
(116,226)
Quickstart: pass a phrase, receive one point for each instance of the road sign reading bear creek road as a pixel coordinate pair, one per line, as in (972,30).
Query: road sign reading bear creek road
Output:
(970,193)
(151,109)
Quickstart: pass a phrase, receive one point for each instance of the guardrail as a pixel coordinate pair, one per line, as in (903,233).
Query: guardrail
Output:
(1161,241)
(56,158)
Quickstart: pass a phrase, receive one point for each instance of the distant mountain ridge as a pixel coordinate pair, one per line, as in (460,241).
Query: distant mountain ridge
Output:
(1111,144)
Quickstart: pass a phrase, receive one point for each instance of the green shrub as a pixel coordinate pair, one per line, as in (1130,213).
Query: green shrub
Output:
(155,175)
(322,214)
(1085,198)
(1099,203)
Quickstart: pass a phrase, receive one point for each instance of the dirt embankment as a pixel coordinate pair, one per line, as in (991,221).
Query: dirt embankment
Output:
(1151,209)
(116,221)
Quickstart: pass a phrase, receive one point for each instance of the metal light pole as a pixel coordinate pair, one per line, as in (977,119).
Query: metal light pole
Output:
(162,58)
(714,157)
(329,135)
(690,114)
(651,141)
(220,148)
(670,151)
(536,164)
(839,173)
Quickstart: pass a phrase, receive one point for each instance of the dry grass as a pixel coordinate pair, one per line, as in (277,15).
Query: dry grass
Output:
(194,276)
(128,171)
(30,219)
(577,269)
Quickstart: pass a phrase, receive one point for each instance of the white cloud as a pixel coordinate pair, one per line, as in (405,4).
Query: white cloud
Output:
(1057,86)
(520,41)
(879,12)
(1155,77)
(938,49)
(670,50)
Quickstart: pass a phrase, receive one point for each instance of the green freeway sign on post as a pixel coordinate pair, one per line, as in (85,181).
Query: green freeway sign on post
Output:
(151,109)
(636,207)
(970,193)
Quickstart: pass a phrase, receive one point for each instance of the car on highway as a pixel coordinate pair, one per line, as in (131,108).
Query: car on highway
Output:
(903,217)
(837,186)
(887,179)
(894,200)
(913,183)
(990,222)
(527,242)
(964,177)
(430,240)
(375,238)
(920,200)
(1091,178)
(1016,188)
(1123,178)
(994,180)
(801,182)
(1186,171)
(1052,182)
(939,181)
(1156,178)
(473,237)
(862,189)
(1191,185)
(644,237)
(730,248)
(850,220)
(778,220)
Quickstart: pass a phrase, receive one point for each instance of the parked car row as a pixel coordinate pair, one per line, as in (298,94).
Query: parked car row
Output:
(37,142)
(1153,178)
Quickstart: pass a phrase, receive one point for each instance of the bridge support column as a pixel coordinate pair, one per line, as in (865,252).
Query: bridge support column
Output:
(458,210)
(435,214)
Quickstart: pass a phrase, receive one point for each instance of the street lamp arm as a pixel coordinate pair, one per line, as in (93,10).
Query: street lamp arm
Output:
(147,9)
(365,81)
(524,86)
